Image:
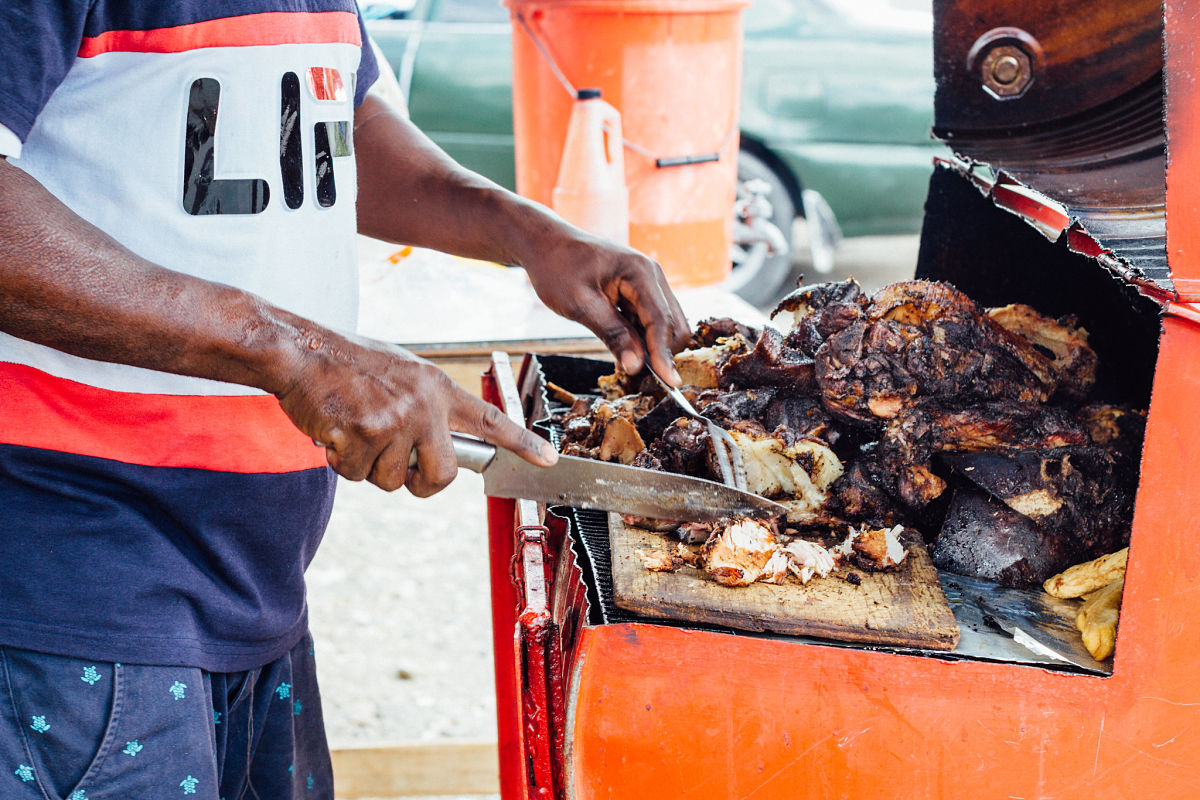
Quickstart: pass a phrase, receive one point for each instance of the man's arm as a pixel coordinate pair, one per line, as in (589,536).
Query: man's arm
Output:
(413,193)
(68,285)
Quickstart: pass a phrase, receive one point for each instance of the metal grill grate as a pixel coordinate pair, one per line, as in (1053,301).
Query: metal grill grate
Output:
(587,530)
(589,533)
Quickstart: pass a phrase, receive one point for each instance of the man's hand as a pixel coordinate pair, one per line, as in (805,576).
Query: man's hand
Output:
(371,404)
(411,192)
(618,293)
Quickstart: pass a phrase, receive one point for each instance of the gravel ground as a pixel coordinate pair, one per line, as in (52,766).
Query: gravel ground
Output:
(399,592)
(400,610)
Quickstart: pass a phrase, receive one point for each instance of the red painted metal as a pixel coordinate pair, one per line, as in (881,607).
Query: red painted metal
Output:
(528,660)
(501,515)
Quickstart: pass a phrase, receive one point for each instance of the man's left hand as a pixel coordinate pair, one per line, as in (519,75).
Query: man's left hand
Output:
(409,191)
(619,294)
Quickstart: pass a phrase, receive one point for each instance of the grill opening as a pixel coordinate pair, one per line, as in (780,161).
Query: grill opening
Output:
(996,258)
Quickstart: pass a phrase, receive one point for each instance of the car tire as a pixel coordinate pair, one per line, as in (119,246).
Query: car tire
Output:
(761,274)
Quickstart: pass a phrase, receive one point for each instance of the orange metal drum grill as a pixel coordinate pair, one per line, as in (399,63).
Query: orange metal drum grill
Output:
(638,710)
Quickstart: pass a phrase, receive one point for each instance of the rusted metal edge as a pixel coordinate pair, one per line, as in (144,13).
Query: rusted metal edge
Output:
(539,661)
(1054,220)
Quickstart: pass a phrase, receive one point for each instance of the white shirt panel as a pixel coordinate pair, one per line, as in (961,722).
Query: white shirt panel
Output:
(10,145)
(124,173)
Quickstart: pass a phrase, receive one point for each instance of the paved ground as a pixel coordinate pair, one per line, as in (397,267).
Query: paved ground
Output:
(399,591)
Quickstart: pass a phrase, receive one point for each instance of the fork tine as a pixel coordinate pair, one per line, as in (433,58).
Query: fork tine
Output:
(739,468)
(736,476)
(729,458)
(721,449)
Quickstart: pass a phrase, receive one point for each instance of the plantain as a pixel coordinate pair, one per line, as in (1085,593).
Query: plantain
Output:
(1097,619)
(1083,578)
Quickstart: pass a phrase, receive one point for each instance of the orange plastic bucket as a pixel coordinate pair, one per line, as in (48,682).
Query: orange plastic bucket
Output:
(673,70)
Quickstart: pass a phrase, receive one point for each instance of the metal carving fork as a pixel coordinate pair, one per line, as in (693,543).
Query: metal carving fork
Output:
(729,458)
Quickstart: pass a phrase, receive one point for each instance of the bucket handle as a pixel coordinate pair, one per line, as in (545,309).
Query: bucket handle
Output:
(610,125)
(679,161)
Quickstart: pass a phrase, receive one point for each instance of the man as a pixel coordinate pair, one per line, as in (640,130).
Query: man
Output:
(176,286)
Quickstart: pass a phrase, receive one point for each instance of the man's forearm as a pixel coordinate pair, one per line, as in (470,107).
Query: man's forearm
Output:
(68,285)
(411,192)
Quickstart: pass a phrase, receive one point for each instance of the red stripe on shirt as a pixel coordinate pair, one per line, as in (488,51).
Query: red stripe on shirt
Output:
(227,434)
(249,30)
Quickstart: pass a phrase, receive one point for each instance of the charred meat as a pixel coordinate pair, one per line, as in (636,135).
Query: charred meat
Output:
(913,406)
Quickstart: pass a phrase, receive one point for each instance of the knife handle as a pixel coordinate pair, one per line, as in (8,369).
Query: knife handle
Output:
(471,453)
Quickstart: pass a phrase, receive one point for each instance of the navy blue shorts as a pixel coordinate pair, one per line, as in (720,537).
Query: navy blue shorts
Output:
(72,729)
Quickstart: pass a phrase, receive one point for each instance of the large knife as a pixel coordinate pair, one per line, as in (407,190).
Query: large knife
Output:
(586,483)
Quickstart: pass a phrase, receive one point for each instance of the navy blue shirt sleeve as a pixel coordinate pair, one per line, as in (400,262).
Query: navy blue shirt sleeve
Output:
(368,67)
(39,40)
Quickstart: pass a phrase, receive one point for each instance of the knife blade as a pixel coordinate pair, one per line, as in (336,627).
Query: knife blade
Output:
(586,483)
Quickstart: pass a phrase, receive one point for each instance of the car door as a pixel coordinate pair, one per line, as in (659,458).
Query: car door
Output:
(460,93)
(841,93)
(396,30)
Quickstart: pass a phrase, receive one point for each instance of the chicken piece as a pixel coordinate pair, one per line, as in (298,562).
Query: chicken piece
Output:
(1085,578)
(586,423)
(776,569)
(789,414)
(912,438)
(698,532)
(770,363)
(1118,426)
(713,329)
(1063,341)
(659,562)
(560,394)
(619,384)
(806,559)
(738,555)
(873,549)
(799,473)
(690,556)
(812,314)
(983,538)
(919,340)
(800,558)
(621,442)
(702,367)
(859,495)
(1098,617)
(648,524)
(684,448)
(1079,494)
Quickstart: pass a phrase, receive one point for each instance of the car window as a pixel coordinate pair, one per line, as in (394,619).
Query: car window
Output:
(400,10)
(470,11)
(767,14)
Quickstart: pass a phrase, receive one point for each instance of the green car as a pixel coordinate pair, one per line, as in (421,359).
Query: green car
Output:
(837,102)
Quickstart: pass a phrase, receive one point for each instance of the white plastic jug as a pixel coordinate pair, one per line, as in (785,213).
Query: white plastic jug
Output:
(590,191)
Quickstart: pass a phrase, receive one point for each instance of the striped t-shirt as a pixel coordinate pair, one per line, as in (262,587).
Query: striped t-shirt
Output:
(148,517)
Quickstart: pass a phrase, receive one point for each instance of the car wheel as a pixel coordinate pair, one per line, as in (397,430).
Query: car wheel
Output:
(763,213)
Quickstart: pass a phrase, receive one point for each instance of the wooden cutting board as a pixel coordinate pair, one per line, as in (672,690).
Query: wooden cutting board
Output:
(905,608)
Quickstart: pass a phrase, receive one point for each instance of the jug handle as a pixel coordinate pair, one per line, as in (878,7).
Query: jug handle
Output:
(610,125)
